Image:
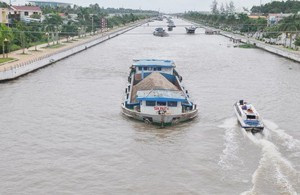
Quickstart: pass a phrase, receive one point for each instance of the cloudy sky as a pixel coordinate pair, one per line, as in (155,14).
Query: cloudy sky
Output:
(169,6)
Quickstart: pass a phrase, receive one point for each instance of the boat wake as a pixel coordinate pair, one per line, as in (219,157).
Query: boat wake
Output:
(229,158)
(274,172)
(286,140)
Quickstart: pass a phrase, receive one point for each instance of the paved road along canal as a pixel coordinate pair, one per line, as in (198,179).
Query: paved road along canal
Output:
(62,131)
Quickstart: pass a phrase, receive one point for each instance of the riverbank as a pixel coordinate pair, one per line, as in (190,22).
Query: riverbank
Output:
(43,55)
(275,49)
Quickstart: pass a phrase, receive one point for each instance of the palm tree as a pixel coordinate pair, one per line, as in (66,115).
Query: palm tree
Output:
(6,36)
(290,26)
(52,23)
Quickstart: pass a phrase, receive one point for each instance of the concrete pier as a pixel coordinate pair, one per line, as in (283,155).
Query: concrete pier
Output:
(39,59)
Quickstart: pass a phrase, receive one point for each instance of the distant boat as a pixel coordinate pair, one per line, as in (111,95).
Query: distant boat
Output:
(160,32)
(248,117)
(191,29)
(171,23)
(155,94)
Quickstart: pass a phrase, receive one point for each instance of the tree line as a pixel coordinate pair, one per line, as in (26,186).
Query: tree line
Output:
(242,23)
(289,6)
(60,21)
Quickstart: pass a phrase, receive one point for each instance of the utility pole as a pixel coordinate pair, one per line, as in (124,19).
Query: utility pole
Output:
(3,49)
(260,8)
(93,24)
(53,38)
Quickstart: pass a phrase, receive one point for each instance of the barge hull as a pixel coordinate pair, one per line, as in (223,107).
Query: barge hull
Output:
(161,120)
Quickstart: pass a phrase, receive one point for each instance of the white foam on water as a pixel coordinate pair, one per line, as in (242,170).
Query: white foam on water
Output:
(282,171)
(229,158)
(288,141)
(284,183)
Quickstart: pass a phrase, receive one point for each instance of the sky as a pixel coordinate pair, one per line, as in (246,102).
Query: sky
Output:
(166,6)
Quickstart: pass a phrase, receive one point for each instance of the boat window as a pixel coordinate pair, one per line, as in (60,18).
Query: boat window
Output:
(172,104)
(161,103)
(159,68)
(140,68)
(154,69)
(150,103)
(251,117)
(145,68)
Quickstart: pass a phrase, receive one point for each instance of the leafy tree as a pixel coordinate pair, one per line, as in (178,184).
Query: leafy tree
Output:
(214,7)
(88,19)
(52,21)
(289,6)
(69,29)
(297,42)
(290,26)
(6,36)
(3,4)
(222,9)
(272,31)
(231,8)
(35,16)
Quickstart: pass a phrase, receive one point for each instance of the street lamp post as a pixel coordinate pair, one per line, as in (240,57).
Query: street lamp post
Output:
(3,49)
(57,37)
(6,43)
(47,34)
(79,31)
(23,43)
(291,36)
(3,46)
(92,25)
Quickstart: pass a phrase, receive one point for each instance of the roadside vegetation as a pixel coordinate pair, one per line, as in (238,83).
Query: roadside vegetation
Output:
(225,18)
(247,45)
(64,23)
(3,60)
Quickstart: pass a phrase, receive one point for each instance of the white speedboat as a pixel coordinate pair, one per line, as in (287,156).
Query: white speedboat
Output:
(155,94)
(248,117)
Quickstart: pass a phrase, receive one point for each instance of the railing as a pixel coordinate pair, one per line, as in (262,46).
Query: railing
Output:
(19,69)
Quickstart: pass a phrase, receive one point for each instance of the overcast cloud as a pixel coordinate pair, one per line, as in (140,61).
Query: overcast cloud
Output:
(168,6)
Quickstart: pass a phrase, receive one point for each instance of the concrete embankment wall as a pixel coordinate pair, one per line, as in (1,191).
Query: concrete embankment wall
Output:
(292,55)
(32,65)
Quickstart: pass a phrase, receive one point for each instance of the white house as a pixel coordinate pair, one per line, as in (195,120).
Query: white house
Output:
(23,13)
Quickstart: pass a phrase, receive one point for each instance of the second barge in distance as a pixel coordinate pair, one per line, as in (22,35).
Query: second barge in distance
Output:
(155,94)
(191,29)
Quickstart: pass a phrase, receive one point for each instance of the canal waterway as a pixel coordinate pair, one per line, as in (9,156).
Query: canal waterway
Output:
(62,131)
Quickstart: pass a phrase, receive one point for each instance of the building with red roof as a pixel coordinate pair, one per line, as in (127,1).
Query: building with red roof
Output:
(24,12)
